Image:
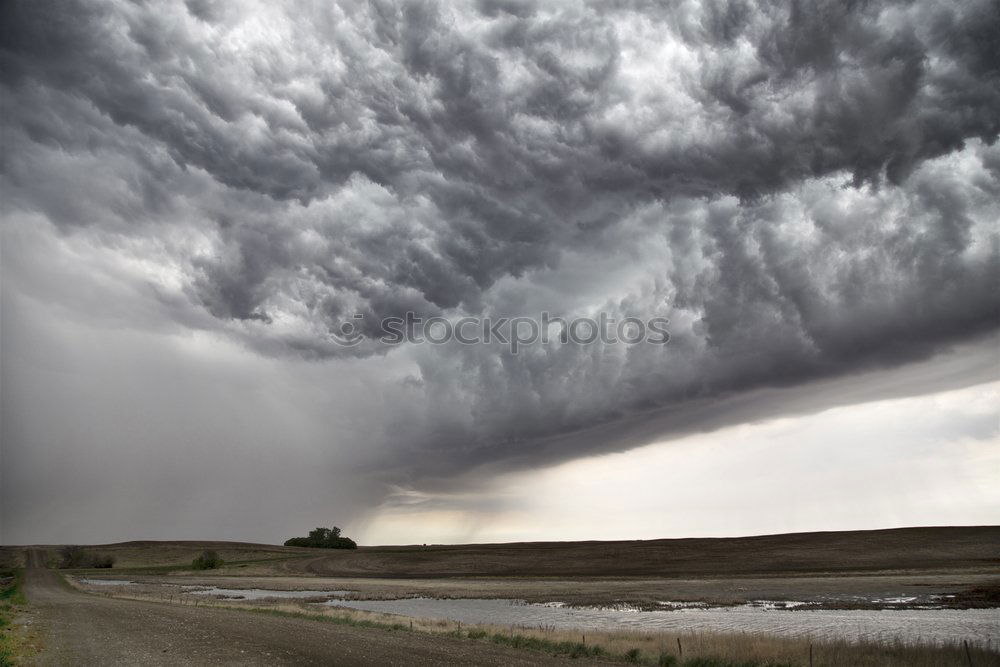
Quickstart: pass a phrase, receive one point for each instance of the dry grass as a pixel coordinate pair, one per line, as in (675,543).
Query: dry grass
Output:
(164,555)
(648,647)
(11,558)
(904,549)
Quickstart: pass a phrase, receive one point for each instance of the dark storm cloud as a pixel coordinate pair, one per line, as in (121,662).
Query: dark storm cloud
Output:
(805,190)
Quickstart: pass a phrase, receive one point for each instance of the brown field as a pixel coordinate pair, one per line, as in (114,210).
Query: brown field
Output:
(974,549)
(168,554)
(903,549)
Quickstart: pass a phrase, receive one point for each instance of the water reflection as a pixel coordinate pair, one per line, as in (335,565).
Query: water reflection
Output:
(925,625)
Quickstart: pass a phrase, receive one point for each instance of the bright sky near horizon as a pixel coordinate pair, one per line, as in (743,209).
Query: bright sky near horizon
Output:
(927,460)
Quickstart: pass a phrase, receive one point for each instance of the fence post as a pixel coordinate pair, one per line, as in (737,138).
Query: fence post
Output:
(680,649)
(810,654)
(968,653)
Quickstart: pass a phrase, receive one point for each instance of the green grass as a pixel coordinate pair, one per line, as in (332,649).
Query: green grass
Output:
(12,593)
(11,596)
(571,649)
(716,662)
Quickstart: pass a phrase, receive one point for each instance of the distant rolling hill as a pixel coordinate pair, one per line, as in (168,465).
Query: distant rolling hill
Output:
(943,548)
(970,549)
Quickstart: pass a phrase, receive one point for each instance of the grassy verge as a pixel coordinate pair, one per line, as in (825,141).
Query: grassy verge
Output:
(11,599)
(518,640)
(703,649)
(693,649)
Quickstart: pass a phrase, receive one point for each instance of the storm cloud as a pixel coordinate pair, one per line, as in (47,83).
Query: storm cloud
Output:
(806,191)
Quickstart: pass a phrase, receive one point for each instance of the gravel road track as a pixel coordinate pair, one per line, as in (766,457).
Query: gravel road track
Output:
(82,629)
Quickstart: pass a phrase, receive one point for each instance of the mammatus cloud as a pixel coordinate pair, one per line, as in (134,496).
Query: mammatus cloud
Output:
(804,190)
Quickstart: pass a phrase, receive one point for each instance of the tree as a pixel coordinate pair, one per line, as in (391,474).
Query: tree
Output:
(323,535)
(319,535)
(74,557)
(323,538)
(208,560)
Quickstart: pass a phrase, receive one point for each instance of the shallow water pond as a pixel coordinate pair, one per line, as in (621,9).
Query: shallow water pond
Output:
(106,582)
(779,618)
(231,593)
(257,593)
(930,625)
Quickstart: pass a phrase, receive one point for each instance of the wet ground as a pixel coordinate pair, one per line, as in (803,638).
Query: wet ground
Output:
(895,617)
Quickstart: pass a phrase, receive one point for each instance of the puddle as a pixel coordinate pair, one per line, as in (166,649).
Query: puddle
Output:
(258,593)
(775,604)
(229,593)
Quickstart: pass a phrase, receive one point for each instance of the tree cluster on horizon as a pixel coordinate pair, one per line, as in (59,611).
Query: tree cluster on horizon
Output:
(323,538)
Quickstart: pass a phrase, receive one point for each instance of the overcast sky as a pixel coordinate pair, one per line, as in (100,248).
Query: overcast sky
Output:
(197,195)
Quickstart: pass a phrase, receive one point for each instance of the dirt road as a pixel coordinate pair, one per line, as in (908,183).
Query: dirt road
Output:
(82,629)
